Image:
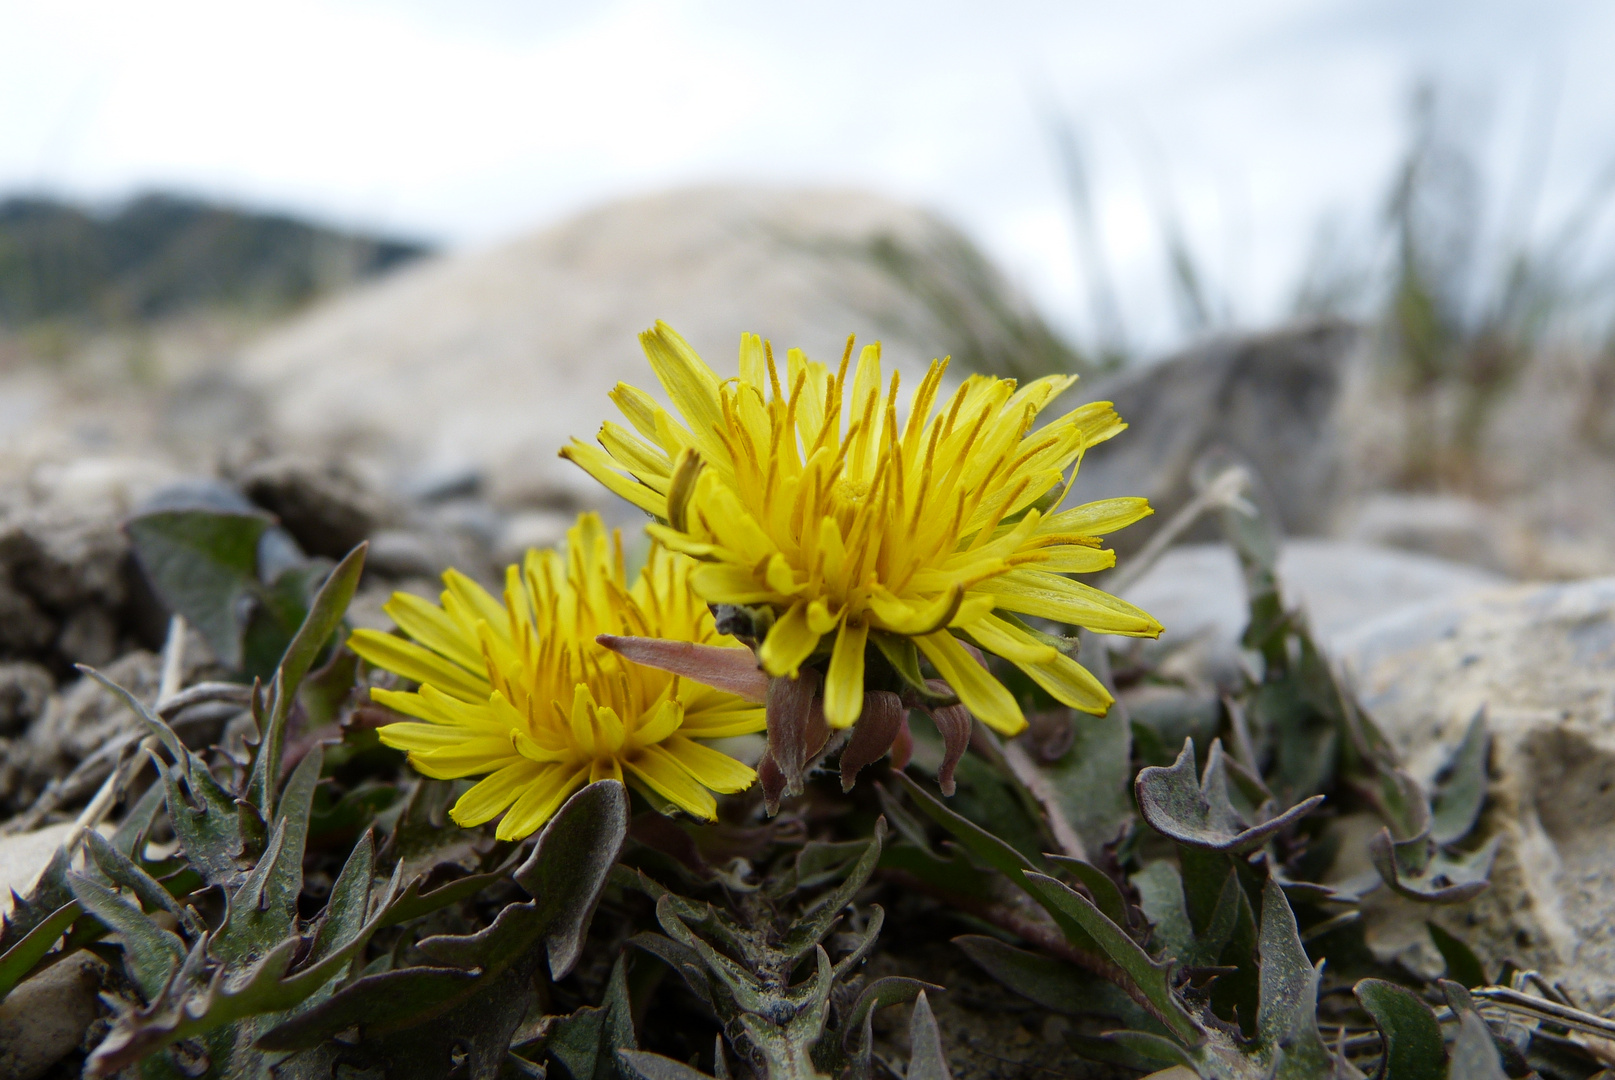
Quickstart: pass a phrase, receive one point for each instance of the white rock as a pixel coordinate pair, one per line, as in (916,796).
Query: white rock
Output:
(492,359)
(1196,589)
(24,855)
(1541,659)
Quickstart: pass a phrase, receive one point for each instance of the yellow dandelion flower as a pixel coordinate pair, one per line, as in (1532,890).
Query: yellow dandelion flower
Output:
(871,531)
(520,690)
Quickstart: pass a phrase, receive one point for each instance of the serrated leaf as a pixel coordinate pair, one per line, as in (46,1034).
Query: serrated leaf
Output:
(587,1041)
(1091,779)
(1054,984)
(201,812)
(151,954)
(263,911)
(976,840)
(1099,884)
(1197,812)
(857,1032)
(1412,1037)
(570,865)
(481,985)
(1420,870)
(204,564)
(119,870)
(1286,1018)
(349,903)
(994,852)
(811,929)
(926,1060)
(1181,937)
(197,1002)
(1150,978)
(649,1066)
(316,631)
(31,947)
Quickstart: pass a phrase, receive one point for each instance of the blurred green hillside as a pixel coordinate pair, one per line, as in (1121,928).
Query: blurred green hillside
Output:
(161,255)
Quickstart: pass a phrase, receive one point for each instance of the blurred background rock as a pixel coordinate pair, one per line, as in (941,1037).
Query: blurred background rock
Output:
(1363,250)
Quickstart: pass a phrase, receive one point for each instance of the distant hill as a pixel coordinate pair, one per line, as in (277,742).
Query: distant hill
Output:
(159,255)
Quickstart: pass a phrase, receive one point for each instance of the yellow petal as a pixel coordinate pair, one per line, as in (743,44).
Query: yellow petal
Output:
(711,769)
(598,464)
(790,641)
(1069,683)
(726,583)
(489,797)
(844,685)
(982,694)
(916,616)
(661,772)
(1050,596)
(723,721)
(662,723)
(467,757)
(1072,559)
(649,465)
(690,385)
(544,796)
(1009,641)
(408,736)
(413,662)
(432,627)
(1098,518)
(411,704)
(820,619)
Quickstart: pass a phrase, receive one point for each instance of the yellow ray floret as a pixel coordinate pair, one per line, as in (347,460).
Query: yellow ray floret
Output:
(520,693)
(800,490)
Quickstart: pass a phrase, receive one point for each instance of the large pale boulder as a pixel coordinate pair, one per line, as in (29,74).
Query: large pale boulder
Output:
(1541,660)
(1272,401)
(1196,590)
(488,361)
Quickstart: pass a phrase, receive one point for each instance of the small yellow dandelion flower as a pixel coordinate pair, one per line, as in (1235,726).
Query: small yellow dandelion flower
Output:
(871,531)
(520,690)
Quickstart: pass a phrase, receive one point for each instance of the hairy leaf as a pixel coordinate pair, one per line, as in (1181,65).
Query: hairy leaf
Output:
(31,947)
(1459,799)
(1413,1046)
(482,984)
(151,953)
(1150,978)
(926,1060)
(1197,811)
(204,564)
(1054,984)
(1286,1019)
(1420,870)
(318,626)
(649,1066)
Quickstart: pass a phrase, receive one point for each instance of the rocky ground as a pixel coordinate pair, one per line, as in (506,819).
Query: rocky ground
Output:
(422,413)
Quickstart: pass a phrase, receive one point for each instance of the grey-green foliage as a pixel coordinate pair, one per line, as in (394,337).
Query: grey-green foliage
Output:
(469,998)
(234,574)
(221,987)
(761,966)
(248,997)
(1201,937)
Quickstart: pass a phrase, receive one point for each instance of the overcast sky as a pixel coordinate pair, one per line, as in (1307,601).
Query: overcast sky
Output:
(467,122)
